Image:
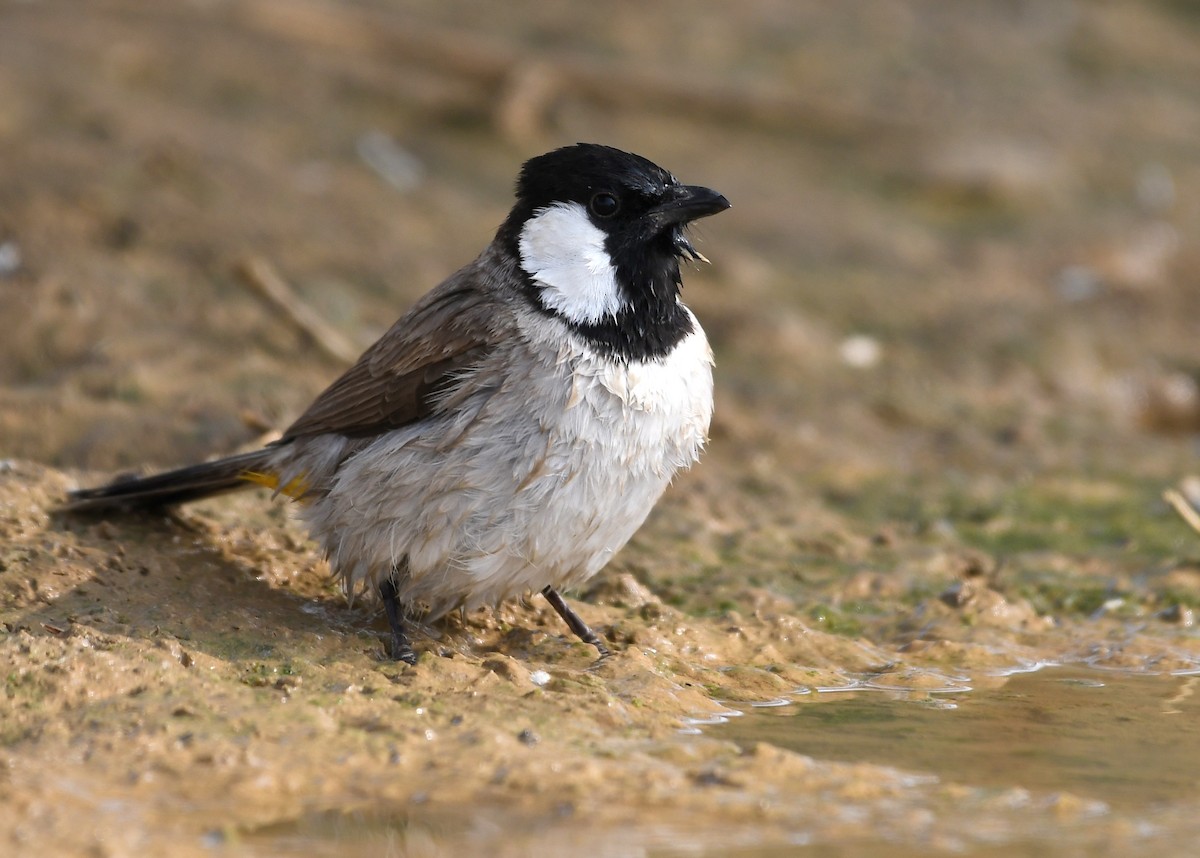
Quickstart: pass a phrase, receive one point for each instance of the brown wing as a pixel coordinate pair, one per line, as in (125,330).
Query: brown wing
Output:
(398,379)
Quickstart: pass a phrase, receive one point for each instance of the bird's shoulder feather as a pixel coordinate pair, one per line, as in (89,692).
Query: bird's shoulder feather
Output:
(410,369)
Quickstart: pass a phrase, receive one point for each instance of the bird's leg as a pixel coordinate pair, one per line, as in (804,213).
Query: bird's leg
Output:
(401,646)
(574,621)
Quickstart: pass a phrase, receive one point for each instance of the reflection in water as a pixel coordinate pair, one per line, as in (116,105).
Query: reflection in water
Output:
(1130,740)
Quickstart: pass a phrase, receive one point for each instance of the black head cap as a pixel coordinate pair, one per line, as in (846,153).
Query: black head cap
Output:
(596,177)
(576,172)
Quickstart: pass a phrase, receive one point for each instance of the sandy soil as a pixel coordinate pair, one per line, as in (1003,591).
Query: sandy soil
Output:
(955,313)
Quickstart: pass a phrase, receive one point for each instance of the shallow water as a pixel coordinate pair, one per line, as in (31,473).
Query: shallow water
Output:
(1129,740)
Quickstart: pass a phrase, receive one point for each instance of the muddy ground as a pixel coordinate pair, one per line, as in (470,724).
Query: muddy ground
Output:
(955,310)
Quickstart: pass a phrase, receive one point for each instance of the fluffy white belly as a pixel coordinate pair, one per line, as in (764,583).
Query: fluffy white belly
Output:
(537,483)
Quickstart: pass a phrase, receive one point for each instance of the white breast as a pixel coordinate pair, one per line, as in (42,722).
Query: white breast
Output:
(665,404)
(613,450)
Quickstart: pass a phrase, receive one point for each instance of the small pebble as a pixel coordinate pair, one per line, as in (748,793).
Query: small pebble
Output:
(1077,283)
(396,166)
(1155,188)
(1178,615)
(860,351)
(10,258)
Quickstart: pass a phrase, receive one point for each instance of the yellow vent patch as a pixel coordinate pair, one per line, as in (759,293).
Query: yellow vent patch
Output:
(295,489)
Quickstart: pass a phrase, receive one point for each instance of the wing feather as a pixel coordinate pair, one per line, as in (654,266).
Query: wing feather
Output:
(402,377)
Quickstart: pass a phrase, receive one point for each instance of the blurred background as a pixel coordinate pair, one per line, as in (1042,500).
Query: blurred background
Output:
(959,275)
(956,314)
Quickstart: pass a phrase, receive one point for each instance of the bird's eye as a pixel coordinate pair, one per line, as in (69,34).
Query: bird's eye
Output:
(604,204)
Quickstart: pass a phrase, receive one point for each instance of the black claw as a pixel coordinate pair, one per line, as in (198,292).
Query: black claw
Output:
(401,646)
(575,622)
(401,651)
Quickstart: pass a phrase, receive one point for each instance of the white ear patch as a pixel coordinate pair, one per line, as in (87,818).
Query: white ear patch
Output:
(564,252)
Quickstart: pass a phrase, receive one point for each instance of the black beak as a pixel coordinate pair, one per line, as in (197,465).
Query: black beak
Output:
(681,205)
(686,203)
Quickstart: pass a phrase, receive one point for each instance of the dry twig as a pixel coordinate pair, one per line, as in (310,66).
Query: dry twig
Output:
(261,276)
(1184,507)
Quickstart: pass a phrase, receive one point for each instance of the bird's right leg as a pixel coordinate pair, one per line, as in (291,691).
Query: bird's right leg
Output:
(574,621)
(401,645)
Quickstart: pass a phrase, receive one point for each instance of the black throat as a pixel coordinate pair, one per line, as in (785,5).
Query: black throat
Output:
(652,320)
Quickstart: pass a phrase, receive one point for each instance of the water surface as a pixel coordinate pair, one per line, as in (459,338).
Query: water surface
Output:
(1129,740)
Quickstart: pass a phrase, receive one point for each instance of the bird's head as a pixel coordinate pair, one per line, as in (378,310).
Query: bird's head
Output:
(598,234)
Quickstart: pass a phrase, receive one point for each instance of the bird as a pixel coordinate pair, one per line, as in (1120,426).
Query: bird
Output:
(515,427)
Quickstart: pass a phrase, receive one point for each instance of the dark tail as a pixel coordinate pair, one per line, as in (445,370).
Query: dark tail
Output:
(173,487)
